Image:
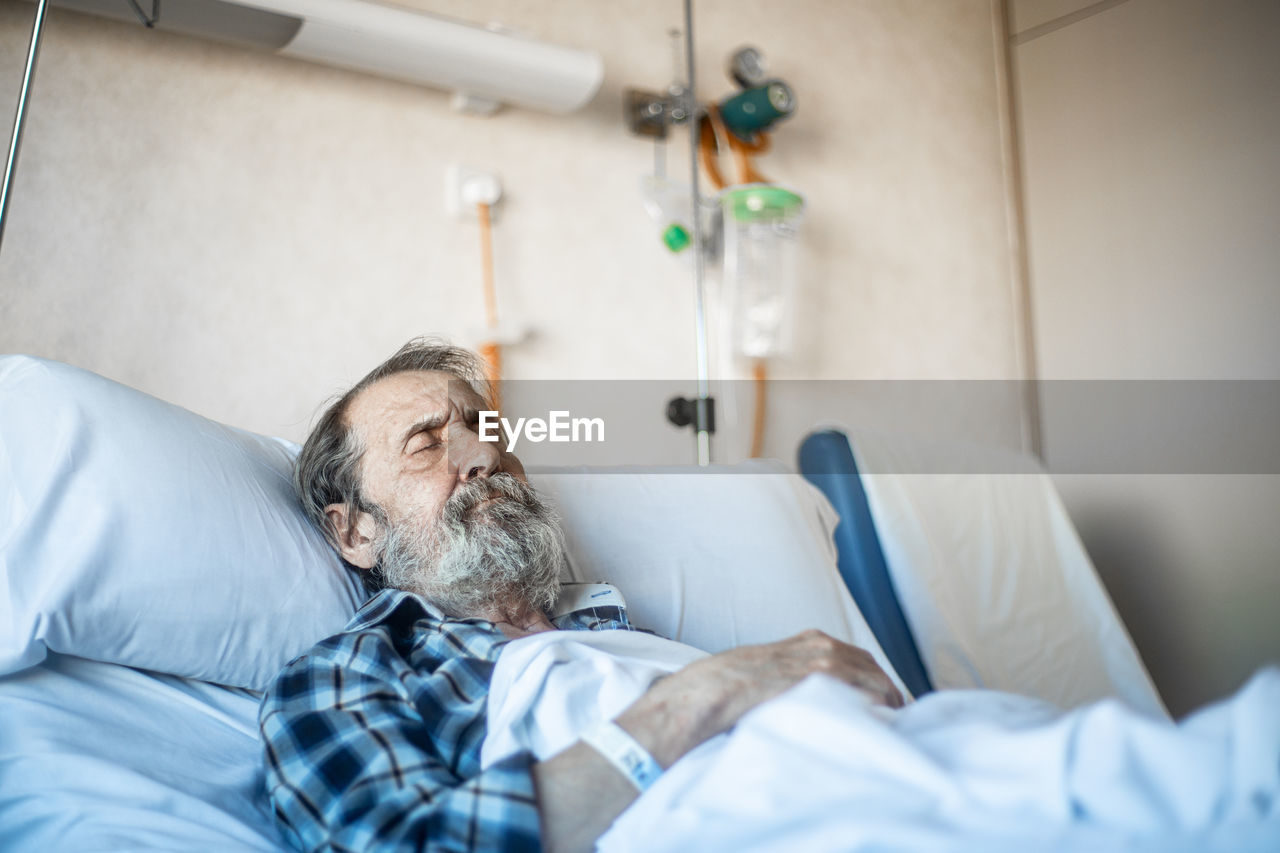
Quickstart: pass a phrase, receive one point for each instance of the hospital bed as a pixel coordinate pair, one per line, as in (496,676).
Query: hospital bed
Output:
(156,573)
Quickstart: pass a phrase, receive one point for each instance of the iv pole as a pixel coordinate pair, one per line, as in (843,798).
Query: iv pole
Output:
(15,142)
(703,414)
(698,412)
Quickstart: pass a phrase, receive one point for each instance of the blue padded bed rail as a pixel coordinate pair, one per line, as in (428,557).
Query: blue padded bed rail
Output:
(826,460)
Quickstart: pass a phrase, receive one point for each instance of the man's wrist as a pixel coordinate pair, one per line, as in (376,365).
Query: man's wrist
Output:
(669,723)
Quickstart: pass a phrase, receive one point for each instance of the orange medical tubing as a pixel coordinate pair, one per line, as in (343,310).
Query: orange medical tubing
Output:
(491,351)
(711,145)
(758,375)
(709,153)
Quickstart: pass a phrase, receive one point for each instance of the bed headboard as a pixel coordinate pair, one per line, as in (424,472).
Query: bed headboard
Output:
(826,460)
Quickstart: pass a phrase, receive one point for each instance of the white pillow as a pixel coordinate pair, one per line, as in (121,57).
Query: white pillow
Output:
(714,557)
(133,531)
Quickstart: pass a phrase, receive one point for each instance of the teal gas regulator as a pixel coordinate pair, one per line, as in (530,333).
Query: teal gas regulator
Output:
(761,102)
(758,108)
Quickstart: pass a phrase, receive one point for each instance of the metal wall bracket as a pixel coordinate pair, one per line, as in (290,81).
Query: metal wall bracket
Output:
(651,113)
(647,113)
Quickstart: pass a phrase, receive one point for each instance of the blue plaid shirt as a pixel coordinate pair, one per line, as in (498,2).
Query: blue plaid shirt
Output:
(373,737)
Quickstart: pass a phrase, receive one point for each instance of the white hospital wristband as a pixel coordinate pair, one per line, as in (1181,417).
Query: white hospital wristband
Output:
(622,751)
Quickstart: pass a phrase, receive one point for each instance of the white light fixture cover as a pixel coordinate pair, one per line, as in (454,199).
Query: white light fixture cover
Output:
(391,41)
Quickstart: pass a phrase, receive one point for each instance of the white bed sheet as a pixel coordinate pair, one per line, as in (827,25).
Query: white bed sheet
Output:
(992,577)
(102,757)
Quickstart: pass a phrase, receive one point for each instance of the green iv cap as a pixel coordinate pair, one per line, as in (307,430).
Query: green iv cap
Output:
(676,236)
(761,201)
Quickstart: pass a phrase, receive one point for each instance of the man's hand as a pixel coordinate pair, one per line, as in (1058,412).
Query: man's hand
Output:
(580,793)
(709,696)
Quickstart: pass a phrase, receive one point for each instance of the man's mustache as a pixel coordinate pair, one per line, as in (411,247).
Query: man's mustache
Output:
(472,493)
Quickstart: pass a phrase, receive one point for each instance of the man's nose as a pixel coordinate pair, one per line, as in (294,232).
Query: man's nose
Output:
(474,458)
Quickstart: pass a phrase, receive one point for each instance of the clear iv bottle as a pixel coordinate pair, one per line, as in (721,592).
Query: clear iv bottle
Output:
(761,257)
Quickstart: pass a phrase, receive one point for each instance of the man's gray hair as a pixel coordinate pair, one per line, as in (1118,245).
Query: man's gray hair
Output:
(328,468)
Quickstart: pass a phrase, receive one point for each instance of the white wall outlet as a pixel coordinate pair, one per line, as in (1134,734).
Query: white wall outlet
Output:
(466,186)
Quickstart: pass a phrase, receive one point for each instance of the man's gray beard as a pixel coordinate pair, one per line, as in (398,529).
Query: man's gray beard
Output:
(473,561)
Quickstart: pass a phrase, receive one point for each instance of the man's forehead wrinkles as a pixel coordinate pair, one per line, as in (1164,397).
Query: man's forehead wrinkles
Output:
(462,393)
(385,408)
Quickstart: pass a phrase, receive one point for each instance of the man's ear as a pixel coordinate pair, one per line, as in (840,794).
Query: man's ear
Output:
(355,541)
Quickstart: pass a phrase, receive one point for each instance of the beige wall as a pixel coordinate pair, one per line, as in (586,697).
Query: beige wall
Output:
(244,234)
(1152,184)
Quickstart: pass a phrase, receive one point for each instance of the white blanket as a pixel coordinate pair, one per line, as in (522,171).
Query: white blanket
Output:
(819,768)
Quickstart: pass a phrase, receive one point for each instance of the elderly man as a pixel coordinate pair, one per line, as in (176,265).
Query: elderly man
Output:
(373,738)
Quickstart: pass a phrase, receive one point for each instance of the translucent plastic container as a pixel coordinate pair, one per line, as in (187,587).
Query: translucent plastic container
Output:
(761,258)
(669,205)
